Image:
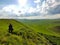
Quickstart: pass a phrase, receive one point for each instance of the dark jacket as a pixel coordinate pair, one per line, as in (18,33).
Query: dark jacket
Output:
(10,27)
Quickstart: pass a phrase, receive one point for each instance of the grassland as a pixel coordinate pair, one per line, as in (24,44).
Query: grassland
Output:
(44,26)
(30,32)
(47,27)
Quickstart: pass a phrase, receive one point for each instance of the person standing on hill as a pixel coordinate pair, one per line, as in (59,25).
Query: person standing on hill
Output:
(10,28)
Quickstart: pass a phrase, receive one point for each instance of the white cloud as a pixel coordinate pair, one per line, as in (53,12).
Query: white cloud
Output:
(43,10)
(51,3)
(10,8)
(32,10)
(37,1)
(22,3)
(8,11)
(13,11)
(43,17)
(34,17)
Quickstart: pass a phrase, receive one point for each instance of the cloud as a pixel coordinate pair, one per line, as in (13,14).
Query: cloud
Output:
(8,11)
(34,17)
(22,3)
(42,17)
(45,9)
(37,1)
(10,8)
(52,7)
(55,10)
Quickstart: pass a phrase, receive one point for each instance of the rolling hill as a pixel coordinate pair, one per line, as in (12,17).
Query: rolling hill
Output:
(24,34)
(45,26)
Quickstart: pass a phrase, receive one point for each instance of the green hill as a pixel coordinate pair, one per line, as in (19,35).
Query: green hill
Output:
(45,26)
(24,35)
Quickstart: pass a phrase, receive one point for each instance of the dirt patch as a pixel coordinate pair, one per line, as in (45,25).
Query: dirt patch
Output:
(57,28)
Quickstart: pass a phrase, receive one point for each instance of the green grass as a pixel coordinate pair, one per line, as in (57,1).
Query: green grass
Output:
(29,32)
(46,27)
(43,26)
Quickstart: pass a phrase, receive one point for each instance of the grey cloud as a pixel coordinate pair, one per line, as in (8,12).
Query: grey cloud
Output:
(58,0)
(55,10)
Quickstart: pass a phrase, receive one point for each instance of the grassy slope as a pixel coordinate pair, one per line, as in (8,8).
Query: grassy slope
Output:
(45,27)
(4,35)
(22,34)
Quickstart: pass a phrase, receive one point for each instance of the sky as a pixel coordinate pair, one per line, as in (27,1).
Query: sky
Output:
(30,9)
